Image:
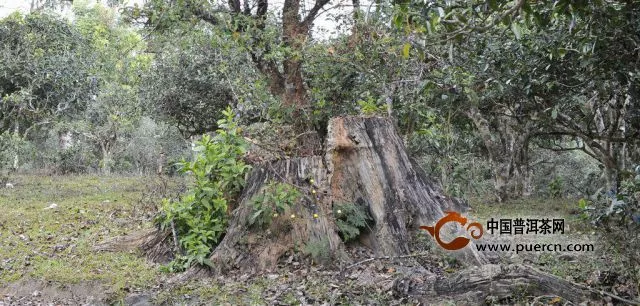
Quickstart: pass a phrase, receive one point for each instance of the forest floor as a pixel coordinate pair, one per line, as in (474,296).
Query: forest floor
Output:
(49,226)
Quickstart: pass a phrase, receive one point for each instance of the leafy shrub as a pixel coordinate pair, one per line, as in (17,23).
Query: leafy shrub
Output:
(199,218)
(369,106)
(75,159)
(148,139)
(610,210)
(272,202)
(351,219)
(578,173)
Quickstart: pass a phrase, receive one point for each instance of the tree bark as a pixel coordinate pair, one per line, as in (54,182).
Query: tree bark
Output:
(364,163)
(611,176)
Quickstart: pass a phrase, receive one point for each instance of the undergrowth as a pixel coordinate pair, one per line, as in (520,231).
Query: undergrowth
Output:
(617,217)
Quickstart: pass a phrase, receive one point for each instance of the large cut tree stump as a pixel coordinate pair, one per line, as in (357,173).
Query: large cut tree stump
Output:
(364,163)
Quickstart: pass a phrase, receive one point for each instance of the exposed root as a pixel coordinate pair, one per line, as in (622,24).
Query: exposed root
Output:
(477,285)
(153,243)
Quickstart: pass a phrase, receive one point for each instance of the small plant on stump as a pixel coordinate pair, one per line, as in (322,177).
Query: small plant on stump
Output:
(274,200)
(199,218)
(351,219)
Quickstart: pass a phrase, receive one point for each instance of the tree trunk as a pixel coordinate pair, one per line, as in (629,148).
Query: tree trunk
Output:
(65,140)
(16,156)
(507,149)
(365,164)
(107,160)
(611,177)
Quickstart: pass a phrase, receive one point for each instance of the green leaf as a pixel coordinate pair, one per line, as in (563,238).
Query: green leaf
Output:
(493,4)
(562,52)
(405,50)
(207,262)
(398,20)
(433,22)
(206,204)
(515,27)
(554,113)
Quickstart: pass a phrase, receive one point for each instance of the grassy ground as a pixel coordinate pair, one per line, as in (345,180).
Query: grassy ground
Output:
(47,251)
(567,209)
(49,225)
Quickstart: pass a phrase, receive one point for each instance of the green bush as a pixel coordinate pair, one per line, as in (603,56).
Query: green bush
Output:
(142,151)
(11,145)
(199,218)
(75,159)
(274,199)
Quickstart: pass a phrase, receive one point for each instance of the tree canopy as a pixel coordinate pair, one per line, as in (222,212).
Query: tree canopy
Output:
(46,71)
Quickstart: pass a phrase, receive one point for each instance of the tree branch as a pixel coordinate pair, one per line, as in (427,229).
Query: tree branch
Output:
(235,6)
(582,148)
(263,5)
(205,15)
(314,12)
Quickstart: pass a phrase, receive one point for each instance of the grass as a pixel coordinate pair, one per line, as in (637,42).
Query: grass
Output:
(56,244)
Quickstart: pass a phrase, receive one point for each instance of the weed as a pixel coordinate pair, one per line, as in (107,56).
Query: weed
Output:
(555,187)
(318,250)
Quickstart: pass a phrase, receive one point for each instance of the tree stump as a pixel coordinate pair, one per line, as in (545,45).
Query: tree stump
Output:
(365,163)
